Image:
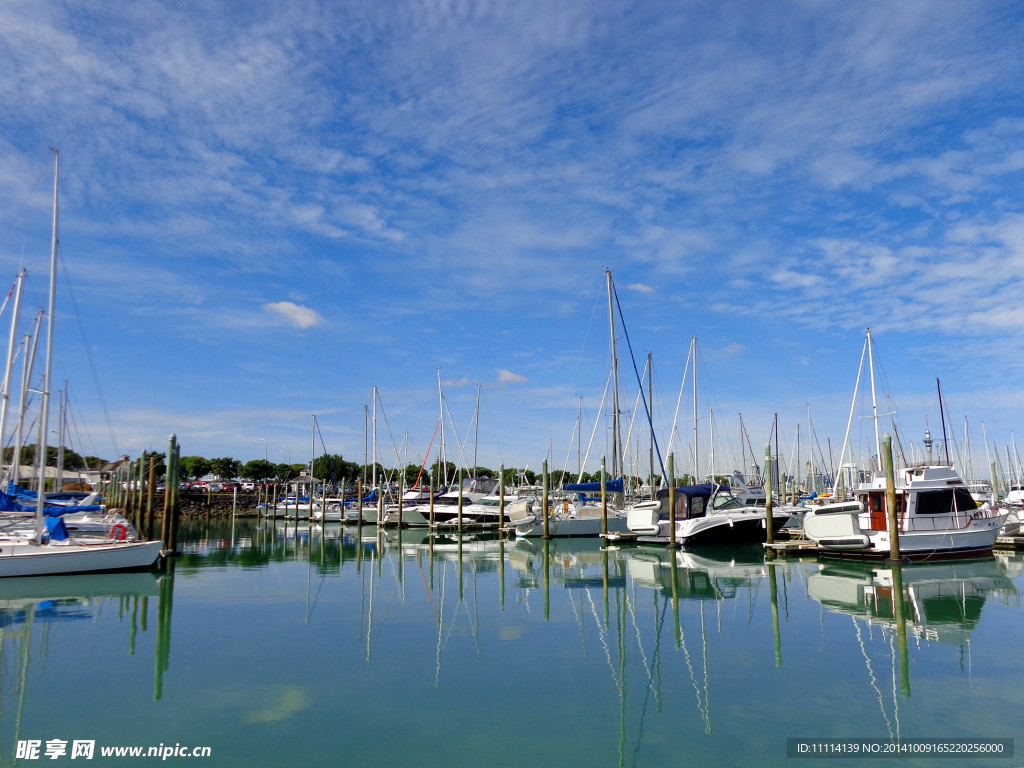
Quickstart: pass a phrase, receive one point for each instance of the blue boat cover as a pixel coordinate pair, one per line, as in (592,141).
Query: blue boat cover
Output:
(25,501)
(56,528)
(704,489)
(610,486)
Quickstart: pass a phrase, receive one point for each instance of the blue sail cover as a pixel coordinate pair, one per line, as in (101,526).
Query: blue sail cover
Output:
(19,499)
(56,528)
(610,486)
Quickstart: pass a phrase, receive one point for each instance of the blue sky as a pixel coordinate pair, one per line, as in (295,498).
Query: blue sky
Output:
(267,209)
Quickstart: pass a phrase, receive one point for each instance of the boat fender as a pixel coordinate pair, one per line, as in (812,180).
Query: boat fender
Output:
(118,532)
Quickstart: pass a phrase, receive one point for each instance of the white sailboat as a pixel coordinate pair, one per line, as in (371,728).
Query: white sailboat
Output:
(44,553)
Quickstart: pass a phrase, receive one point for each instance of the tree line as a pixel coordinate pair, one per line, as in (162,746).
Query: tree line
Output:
(333,469)
(330,468)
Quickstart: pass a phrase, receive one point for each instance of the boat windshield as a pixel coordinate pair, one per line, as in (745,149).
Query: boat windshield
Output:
(724,501)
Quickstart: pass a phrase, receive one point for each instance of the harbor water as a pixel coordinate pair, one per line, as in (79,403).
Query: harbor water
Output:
(273,644)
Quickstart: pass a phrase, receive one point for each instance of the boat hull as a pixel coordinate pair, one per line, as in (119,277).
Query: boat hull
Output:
(570,526)
(19,558)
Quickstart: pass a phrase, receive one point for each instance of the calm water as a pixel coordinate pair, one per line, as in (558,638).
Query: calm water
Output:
(329,649)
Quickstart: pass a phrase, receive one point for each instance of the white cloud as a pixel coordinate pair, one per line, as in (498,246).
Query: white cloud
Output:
(300,317)
(507,377)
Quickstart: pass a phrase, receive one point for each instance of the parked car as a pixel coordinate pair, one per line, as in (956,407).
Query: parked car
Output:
(214,487)
(248,485)
(230,485)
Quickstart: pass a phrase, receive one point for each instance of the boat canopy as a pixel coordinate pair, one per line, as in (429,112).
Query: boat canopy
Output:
(703,489)
(610,486)
(691,500)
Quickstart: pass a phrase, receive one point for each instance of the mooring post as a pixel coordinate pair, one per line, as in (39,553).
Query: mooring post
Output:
(501,497)
(890,498)
(460,511)
(165,520)
(769,520)
(146,529)
(604,499)
(359,503)
(673,541)
(544,500)
(175,501)
(430,513)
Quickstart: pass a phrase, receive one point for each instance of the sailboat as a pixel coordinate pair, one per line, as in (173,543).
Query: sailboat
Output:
(935,513)
(583,517)
(49,550)
(705,513)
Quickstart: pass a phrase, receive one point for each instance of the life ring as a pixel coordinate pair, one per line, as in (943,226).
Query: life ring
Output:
(118,532)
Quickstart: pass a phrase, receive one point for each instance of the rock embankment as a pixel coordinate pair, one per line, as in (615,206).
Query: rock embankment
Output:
(214,504)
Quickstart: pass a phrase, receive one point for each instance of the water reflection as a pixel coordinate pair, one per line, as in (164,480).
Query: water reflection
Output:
(942,602)
(34,613)
(661,647)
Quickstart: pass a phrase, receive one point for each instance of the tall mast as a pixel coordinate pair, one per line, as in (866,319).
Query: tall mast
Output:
(650,420)
(696,461)
(579,441)
(11,341)
(442,462)
(30,345)
(476,436)
(616,438)
(874,402)
(373,439)
(44,415)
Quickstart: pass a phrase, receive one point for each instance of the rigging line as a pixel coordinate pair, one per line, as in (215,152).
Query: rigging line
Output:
(586,339)
(9,229)
(7,298)
(88,354)
(398,454)
(632,359)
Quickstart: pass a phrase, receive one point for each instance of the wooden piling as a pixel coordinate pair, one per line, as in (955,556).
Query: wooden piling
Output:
(769,520)
(604,499)
(544,501)
(460,509)
(165,520)
(890,498)
(175,458)
(673,541)
(501,497)
(146,529)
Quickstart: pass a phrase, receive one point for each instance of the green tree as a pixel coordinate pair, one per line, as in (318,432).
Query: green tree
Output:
(332,468)
(225,468)
(194,466)
(438,474)
(28,456)
(258,469)
(94,462)
(285,472)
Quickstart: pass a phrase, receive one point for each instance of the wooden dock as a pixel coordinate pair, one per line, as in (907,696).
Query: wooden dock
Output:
(793,547)
(1009,542)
